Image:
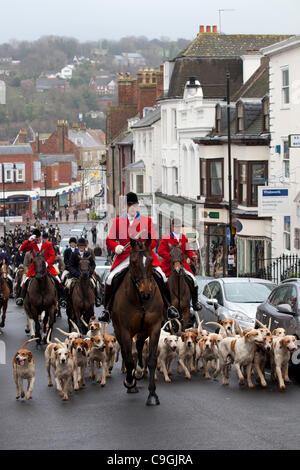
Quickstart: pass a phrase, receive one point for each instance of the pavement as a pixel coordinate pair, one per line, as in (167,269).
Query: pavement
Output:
(197,414)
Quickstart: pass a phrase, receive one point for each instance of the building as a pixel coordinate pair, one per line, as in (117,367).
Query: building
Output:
(20,180)
(44,84)
(284,168)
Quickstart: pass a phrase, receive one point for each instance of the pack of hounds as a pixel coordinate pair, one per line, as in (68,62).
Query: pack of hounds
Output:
(195,349)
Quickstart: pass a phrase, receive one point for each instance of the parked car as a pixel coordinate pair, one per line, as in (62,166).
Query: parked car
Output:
(102,271)
(234,297)
(64,243)
(282,307)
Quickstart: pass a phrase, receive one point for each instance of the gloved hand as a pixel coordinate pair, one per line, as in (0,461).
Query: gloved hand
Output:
(46,264)
(119,249)
(33,237)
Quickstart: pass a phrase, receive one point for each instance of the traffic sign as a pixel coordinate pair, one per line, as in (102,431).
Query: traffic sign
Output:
(228,237)
(214,215)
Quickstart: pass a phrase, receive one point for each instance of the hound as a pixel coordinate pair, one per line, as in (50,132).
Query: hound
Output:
(71,336)
(186,351)
(167,352)
(96,354)
(64,372)
(79,350)
(24,369)
(207,350)
(283,347)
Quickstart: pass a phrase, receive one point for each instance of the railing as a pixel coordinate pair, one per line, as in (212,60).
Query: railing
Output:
(277,269)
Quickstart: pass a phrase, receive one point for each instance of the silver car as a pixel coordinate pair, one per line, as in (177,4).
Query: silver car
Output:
(234,297)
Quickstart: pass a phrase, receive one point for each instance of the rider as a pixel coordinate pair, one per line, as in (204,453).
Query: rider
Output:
(5,258)
(67,255)
(34,244)
(176,237)
(73,265)
(131,224)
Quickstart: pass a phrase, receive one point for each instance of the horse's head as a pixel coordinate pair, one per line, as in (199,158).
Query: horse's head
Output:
(141,266)
(176,257)
(39,265)
(84,267)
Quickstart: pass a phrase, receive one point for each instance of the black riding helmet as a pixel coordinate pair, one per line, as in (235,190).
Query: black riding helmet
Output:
(81,242)
(73,240)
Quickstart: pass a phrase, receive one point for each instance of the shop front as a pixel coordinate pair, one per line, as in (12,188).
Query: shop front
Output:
(214,250)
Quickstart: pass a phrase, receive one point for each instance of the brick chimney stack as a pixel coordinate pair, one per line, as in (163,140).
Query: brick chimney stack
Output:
(66,129)
(209,29)
(37,142)
(159,81)
(60,131)
(147,90)
(127,87)
(23,136)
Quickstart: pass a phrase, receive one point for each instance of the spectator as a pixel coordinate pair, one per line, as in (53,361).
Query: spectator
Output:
(94,234)
(97,251)
(60,215)
(87,210)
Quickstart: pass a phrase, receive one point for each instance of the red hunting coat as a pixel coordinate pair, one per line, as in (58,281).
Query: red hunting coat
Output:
(49,255)
(164,252)
(121,231)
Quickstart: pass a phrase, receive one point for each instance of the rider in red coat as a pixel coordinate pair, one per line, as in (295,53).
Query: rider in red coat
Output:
(175,237)
(133,225)
(35,243)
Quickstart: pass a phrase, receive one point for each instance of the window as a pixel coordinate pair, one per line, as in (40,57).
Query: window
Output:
(174,126)
(285,86)
(240,118)
(286,159)
(36,171)
(202,177)
(139,184)
(297,239)
(20,172)
(218,119)
(8,172)
(258,178)
(266,115)
(287,232)
(216,178)
(164,126)
(175,180)
(55,175)
(242,193)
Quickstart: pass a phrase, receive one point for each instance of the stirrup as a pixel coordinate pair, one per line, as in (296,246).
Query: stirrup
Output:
(197,307)
(104,316)
(172,313)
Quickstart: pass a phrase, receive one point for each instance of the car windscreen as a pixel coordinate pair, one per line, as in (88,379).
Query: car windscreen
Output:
(247,292)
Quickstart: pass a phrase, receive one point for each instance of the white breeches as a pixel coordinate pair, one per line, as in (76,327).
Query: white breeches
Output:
(191,276)
(64,274)
(124,264)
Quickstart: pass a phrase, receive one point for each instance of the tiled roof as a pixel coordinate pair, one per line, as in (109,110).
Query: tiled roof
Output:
(150,118)
(82,138)
(59,158)
(228,45)
(257,85)
(16,149)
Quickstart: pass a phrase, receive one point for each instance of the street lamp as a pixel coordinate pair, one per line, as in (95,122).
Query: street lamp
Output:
(113,173)
(192,85)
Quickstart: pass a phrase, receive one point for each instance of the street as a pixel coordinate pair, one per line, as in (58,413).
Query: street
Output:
(199,414)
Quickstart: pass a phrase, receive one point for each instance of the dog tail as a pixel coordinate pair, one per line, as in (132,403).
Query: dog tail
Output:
(28,341)
(83,321)
(48,336)
(75,326)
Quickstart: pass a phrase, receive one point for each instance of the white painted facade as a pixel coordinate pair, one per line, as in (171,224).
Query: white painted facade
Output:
(284,168)
(2,92)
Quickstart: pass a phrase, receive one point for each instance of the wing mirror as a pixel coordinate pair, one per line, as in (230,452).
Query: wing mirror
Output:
(285,308)
(213,302)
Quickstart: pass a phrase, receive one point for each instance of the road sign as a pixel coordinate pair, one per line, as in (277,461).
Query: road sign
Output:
(214,215)
(228,237)
(273,201)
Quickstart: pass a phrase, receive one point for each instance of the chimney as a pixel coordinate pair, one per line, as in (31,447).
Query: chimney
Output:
(215,29)
(66,129)
(83,127)
(147,92)
(201,29)
(75,126)
(37,142)
(22,136)
(60,136)
(159,81)
(208,29)
(127,88)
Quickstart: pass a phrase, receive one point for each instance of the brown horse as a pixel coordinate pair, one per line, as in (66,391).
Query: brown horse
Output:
(179,288)
(82,299)
(17,283)
(138,310)
(41,296)
(4,293)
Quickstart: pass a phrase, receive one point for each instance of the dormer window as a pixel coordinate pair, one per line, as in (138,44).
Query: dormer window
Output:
(218,119)
(240,127)
(266,115)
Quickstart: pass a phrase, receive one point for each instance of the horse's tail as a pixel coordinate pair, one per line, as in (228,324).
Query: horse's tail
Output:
(28,341)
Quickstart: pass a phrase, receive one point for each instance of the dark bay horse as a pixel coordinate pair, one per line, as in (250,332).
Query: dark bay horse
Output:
(4,294)
(178,285)
(41,297)
(82,299)
(138,309)
(17,282)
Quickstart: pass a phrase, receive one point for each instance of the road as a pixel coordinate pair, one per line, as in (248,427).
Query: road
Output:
(198,414)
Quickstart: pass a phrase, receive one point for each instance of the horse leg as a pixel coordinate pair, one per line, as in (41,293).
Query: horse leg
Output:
(4,313)
(139,372)
(51,320)
(152,362)
(126,347)
(2,323)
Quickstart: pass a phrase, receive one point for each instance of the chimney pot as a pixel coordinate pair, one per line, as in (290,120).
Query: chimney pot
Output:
(201,30)
(208,29)
(215,29)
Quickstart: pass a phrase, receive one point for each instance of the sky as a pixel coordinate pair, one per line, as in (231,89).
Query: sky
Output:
(90,20)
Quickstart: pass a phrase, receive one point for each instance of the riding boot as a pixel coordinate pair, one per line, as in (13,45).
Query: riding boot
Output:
(97,296)
(105,314)
(61,294)
(195,301)
(23,292)
(172,312)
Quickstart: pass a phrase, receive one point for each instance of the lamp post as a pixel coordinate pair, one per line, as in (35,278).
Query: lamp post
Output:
(113,173)
(193,86)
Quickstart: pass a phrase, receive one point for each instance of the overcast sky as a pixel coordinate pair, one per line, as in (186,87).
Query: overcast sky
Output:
(113,19)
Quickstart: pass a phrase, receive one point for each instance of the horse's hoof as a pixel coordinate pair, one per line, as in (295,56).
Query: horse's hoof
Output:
(2,324)
(129,386)
(139,373)
(152,400)
(133,390)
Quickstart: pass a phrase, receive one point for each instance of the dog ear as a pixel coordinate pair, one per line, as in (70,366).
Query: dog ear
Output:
(30,356)
(166,340)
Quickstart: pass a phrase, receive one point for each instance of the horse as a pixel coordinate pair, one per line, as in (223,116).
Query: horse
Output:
(41,296)
(4,294)
(17,282)
(82,299)
(138,309)
(178,285)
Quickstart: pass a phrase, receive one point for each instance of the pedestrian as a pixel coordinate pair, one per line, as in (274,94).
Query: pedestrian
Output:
(87,210)
(60,215)
(97,251)
(94,234)
(67,215)
(56,216)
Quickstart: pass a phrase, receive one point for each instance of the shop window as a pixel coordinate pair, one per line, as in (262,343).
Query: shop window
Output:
(258,178)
